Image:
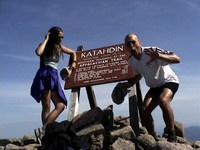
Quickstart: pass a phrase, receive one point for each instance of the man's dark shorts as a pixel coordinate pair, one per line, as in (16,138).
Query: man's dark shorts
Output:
(157,91)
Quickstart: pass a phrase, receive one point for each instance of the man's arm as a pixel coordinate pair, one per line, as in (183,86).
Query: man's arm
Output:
(132,81)
(156,53)
(171,58)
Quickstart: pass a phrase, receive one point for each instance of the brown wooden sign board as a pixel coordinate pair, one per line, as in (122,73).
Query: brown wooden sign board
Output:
(100,66)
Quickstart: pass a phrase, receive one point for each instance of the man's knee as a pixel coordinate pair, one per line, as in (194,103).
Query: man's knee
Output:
(164,103)
(147,109)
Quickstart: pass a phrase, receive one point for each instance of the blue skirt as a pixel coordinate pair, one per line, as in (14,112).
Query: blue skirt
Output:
(47,78)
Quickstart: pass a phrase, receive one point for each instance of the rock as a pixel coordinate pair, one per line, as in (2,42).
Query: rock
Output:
(146,141)
(32,147)
(27,147)
(91,136)
(12,147)
(164,145)
(1,147)
(15,141)
(122,144)
(122,120)
(98,130)
(196,144)
(28,139)
(125,132)
(87,117)
(179,129)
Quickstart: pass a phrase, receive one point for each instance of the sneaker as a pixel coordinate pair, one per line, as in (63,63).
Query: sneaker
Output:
(39,134)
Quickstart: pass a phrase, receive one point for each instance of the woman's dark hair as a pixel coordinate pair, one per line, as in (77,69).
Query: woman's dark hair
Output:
(52,47)
(54,31)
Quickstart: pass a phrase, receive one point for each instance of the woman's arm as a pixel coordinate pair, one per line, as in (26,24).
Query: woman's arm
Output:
(71,52)
(40,49)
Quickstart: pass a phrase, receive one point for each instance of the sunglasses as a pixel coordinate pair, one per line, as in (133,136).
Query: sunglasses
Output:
(60,37)
(130,42)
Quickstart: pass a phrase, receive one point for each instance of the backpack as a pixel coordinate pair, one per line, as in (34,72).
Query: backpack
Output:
(58,136)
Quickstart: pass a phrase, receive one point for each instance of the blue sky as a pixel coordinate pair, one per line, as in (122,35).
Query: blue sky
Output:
(169,24)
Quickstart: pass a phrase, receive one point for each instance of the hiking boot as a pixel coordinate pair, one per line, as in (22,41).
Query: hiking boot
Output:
(39,134)
(155,136)
(172,137)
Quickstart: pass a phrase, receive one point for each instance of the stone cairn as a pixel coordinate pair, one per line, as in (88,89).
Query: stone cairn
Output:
(98,129)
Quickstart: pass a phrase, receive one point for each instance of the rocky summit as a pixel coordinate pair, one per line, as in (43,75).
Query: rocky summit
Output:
(98,129)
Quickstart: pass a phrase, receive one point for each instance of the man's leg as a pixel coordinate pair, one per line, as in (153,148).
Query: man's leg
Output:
(148,106)
(168,114)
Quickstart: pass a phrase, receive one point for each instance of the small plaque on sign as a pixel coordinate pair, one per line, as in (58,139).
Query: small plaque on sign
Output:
(99,66)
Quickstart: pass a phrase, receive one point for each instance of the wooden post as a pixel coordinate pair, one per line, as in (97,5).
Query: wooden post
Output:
(74,103)
(75,94)
(133,110)
(91,96)
(140,101)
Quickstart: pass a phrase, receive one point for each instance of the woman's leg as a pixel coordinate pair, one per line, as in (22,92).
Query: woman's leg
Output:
(59,107)
(46,105)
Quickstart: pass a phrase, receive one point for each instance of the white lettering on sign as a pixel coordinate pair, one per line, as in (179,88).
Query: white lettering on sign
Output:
(101,65)
(109,50)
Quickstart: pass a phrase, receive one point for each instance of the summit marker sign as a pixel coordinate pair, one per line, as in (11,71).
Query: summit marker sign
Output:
(100,66)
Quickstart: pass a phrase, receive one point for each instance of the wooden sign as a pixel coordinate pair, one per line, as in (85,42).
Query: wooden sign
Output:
(99,66)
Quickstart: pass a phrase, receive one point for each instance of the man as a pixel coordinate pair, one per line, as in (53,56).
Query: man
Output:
(153,64)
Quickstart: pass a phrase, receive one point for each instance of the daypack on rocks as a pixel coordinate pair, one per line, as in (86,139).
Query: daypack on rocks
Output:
(58,136)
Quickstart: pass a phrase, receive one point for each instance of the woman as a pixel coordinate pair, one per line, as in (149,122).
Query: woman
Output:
(46,85)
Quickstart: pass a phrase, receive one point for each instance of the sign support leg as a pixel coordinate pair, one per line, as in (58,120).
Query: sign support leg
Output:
(91,97)
(74,103)
(133,110)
